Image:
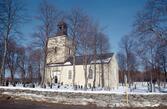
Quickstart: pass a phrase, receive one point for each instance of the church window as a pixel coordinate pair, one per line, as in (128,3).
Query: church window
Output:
(90,76)
(69,74)
(60,28)
(55,49)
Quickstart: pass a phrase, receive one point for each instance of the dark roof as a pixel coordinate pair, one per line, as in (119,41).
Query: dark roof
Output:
(79,59)
(61,23)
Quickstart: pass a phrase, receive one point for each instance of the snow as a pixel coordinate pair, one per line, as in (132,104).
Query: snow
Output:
(138,88)
(67,63)
(23,94)
(102,61)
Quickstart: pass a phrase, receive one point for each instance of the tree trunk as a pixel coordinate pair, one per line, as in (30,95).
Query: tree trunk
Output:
(39,75)
(23,77)
(151,82)
(2,73)
(102,69)
(99,79)
(94,80)
(51,79)
(86,79)
(43,82)
(165,77)
(102,74)
(129,79)
(12,76)
(44,66)
(74,52)
(158,78)
(85,72)
(164,68)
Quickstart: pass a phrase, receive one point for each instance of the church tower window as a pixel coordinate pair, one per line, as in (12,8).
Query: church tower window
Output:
(55,50)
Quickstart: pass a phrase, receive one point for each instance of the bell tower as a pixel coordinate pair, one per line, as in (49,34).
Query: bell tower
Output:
(59,45)
(62,28)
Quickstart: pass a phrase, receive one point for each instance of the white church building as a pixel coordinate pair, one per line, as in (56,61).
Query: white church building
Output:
(59,68)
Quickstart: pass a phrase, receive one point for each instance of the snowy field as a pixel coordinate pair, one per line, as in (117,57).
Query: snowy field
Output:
(137,88)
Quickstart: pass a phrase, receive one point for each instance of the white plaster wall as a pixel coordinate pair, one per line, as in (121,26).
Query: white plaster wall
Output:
(114,73)
(110,74)
(61,42)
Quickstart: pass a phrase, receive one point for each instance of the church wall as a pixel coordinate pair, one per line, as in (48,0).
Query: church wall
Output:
(51,72)
(64,78)
(57,49)
(110,74)
(113,73)
(98,77)
(111,79)
(79,76)
(107,74)
(47,75)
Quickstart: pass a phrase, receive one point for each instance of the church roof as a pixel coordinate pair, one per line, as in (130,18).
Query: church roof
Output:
(79,60)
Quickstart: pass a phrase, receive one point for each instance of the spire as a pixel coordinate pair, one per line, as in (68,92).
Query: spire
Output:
(62,28)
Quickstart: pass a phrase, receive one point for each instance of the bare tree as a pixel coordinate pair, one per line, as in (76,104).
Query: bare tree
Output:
(126,46)
(48,17)
(95,58)
(35,61)
(85,43)
(12,58)
(150,32)
(29,63)
(122,66)
(21,63)
(11,14)
(161,62)
(102,48)
(152,19)
(75,19)
(94,33)
(1,50)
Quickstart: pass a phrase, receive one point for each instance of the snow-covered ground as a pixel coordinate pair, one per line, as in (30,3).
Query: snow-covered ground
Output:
(137,88)
(138,95)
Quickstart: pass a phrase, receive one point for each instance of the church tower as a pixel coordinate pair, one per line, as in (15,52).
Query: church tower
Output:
(59,46)
(62,28)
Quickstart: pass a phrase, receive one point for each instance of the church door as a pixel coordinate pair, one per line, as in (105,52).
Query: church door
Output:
(56,79)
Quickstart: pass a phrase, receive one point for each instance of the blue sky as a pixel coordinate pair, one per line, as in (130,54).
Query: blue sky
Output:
(116,16)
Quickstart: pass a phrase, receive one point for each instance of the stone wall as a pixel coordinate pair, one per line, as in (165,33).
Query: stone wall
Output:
(82,98)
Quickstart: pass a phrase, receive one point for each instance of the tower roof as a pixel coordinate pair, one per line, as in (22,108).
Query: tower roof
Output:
(61,23)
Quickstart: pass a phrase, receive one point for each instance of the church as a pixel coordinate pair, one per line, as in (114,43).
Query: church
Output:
(59,64)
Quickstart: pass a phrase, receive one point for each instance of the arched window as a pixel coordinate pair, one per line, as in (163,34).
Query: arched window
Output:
(90,76)
(69,74)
